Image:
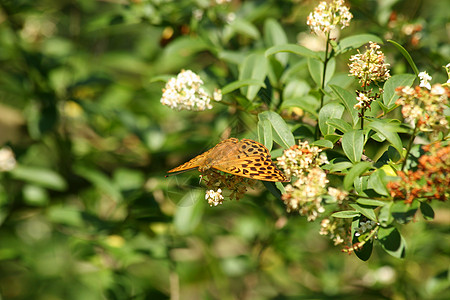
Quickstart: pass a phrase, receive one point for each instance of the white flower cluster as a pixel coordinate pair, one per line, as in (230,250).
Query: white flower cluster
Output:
(334,229)
(219,2)
(7,159)
(214,197)
(369,66)
(327,16)
(337,194)
(300,158)
(305,194)
(185,92)
(424,104)
(363,101)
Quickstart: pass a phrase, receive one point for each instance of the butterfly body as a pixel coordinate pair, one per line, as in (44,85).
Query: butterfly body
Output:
(246,158)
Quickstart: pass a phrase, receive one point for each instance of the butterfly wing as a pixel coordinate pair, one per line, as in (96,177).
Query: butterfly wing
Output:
(252,160)
(187,166)
(202,161)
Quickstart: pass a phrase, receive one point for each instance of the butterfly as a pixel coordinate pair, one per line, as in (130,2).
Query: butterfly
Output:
(246,158)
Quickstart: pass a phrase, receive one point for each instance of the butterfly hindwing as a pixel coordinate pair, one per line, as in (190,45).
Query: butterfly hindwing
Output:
(255,168)
(252,160)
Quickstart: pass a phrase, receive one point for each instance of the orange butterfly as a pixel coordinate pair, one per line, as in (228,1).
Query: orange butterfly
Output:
(245,158)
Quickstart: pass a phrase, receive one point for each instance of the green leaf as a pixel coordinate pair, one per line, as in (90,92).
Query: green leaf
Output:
(338,167)
(360,184)
(388,130)
(189,212)
(174,56)
(389,95)
(35,195)
(163,78)
(427,211)
(323,144)
(331,110)
(346,214)
(352,144)
(265,134)
(275,188)
(384,217)
(293,70)
(406,56)
(366,210)
(366,251)
(340,124)
(128,179)
(391,241)
(377,182)
(372,202)
(241,83)
(99,180)
(356,41)
(307,103)
(295,89)
(349,101)
(315,67)
(280,131)
(274,35)
(402,212)
(65,215)
(39,176)
(232,57)
(253,67)
(275,71)
(244,27)
(291,48)
(354,172)
(333,138)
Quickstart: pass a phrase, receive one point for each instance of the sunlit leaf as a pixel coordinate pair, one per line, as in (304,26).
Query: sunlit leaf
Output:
(280,131)
(352,144)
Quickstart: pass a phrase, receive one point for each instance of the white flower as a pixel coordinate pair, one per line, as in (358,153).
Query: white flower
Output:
(438,90)
(424,77)
(230,17)
(362,100)
(327,15)
(305,194)
(185,92)
(337,194)
(369,66)
(197,14)
(214,197)
(217,95)
(7,159)
(407,90)
(297,160)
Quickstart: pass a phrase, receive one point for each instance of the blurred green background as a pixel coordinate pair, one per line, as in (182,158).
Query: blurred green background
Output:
(87,213)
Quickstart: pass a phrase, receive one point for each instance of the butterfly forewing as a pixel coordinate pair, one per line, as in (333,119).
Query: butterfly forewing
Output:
(245,158)
(204,160)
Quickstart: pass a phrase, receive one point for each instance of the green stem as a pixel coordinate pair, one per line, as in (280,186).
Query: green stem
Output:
(408,149)
(322,95)
(362,118)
